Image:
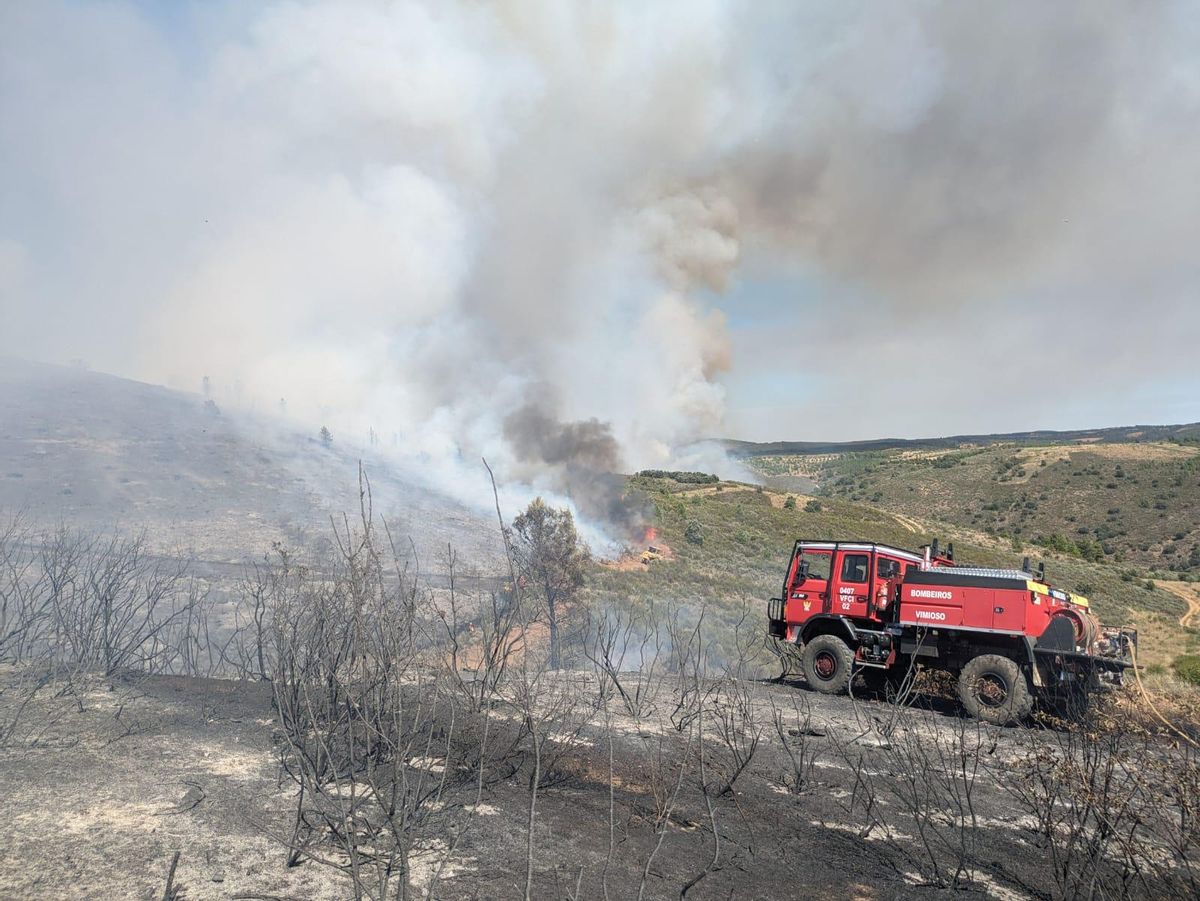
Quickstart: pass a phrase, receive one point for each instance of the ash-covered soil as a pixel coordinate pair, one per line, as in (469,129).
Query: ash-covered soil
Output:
(101,787)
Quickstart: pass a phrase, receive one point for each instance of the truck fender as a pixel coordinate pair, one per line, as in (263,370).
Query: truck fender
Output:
(828,624)
(1034,670)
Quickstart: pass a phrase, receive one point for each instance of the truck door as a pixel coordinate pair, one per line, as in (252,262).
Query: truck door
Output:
(851,590)
(887,581)
(1008,610)
(809,592)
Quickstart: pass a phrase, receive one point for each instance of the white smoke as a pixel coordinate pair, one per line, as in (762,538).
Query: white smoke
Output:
(408,217)
(422,217)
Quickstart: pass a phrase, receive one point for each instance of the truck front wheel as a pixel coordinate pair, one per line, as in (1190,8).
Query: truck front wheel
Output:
(993,689)
(828,662)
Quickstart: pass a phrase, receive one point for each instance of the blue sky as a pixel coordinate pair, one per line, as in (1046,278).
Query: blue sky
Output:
(797,351)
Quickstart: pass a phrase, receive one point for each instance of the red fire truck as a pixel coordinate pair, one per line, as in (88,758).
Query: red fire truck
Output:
(1008,636)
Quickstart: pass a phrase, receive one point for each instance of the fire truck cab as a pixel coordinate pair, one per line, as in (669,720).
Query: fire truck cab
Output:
(829,581)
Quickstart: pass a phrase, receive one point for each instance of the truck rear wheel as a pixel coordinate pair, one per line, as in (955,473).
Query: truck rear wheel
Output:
(828,662)
(993,689)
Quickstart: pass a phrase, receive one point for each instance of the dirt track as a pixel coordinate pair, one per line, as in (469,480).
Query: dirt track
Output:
(1190,594)
(911,524)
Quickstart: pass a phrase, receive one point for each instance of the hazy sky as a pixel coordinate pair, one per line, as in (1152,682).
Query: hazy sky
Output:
(681,219)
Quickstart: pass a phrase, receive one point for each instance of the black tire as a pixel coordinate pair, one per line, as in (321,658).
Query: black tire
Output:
(993,688)
(828,663)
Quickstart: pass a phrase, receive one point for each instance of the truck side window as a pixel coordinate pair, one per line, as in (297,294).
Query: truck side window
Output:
(886,569)
(855,567)
(818,565)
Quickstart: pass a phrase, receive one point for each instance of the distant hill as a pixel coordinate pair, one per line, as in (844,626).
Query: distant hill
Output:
(1115,495)
(1114,435)
(99,452)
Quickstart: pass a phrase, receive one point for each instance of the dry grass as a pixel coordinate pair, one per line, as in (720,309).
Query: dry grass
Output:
(778,499)
(1033,457)
(1148,451)
(1159,639)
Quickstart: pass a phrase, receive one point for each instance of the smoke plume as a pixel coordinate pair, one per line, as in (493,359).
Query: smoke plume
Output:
(584,459)
(426,218)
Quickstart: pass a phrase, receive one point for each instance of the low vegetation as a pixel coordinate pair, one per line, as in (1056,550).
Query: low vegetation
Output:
(684,478)
(1187,668)
(1133,503)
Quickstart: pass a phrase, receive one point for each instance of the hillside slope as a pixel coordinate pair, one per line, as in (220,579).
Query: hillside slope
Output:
(1133,502)
(99,452)
(729,544)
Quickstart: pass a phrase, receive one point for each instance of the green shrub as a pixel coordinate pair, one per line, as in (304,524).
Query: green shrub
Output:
(813,507)
(789,503)
(686,478)
(1187,668)
(693,534)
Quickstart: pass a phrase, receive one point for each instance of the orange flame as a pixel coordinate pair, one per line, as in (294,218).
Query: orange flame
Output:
(651,534)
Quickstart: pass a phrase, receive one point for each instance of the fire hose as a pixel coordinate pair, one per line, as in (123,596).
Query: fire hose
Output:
(1137,675)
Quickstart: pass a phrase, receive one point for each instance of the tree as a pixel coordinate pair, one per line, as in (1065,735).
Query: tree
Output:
(326,436)
(551,559)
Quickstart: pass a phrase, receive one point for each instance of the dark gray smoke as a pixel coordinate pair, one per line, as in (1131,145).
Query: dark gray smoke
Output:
(583,461)
(538,437)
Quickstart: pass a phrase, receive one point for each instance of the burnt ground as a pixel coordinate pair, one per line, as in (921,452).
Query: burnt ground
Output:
(100,789)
